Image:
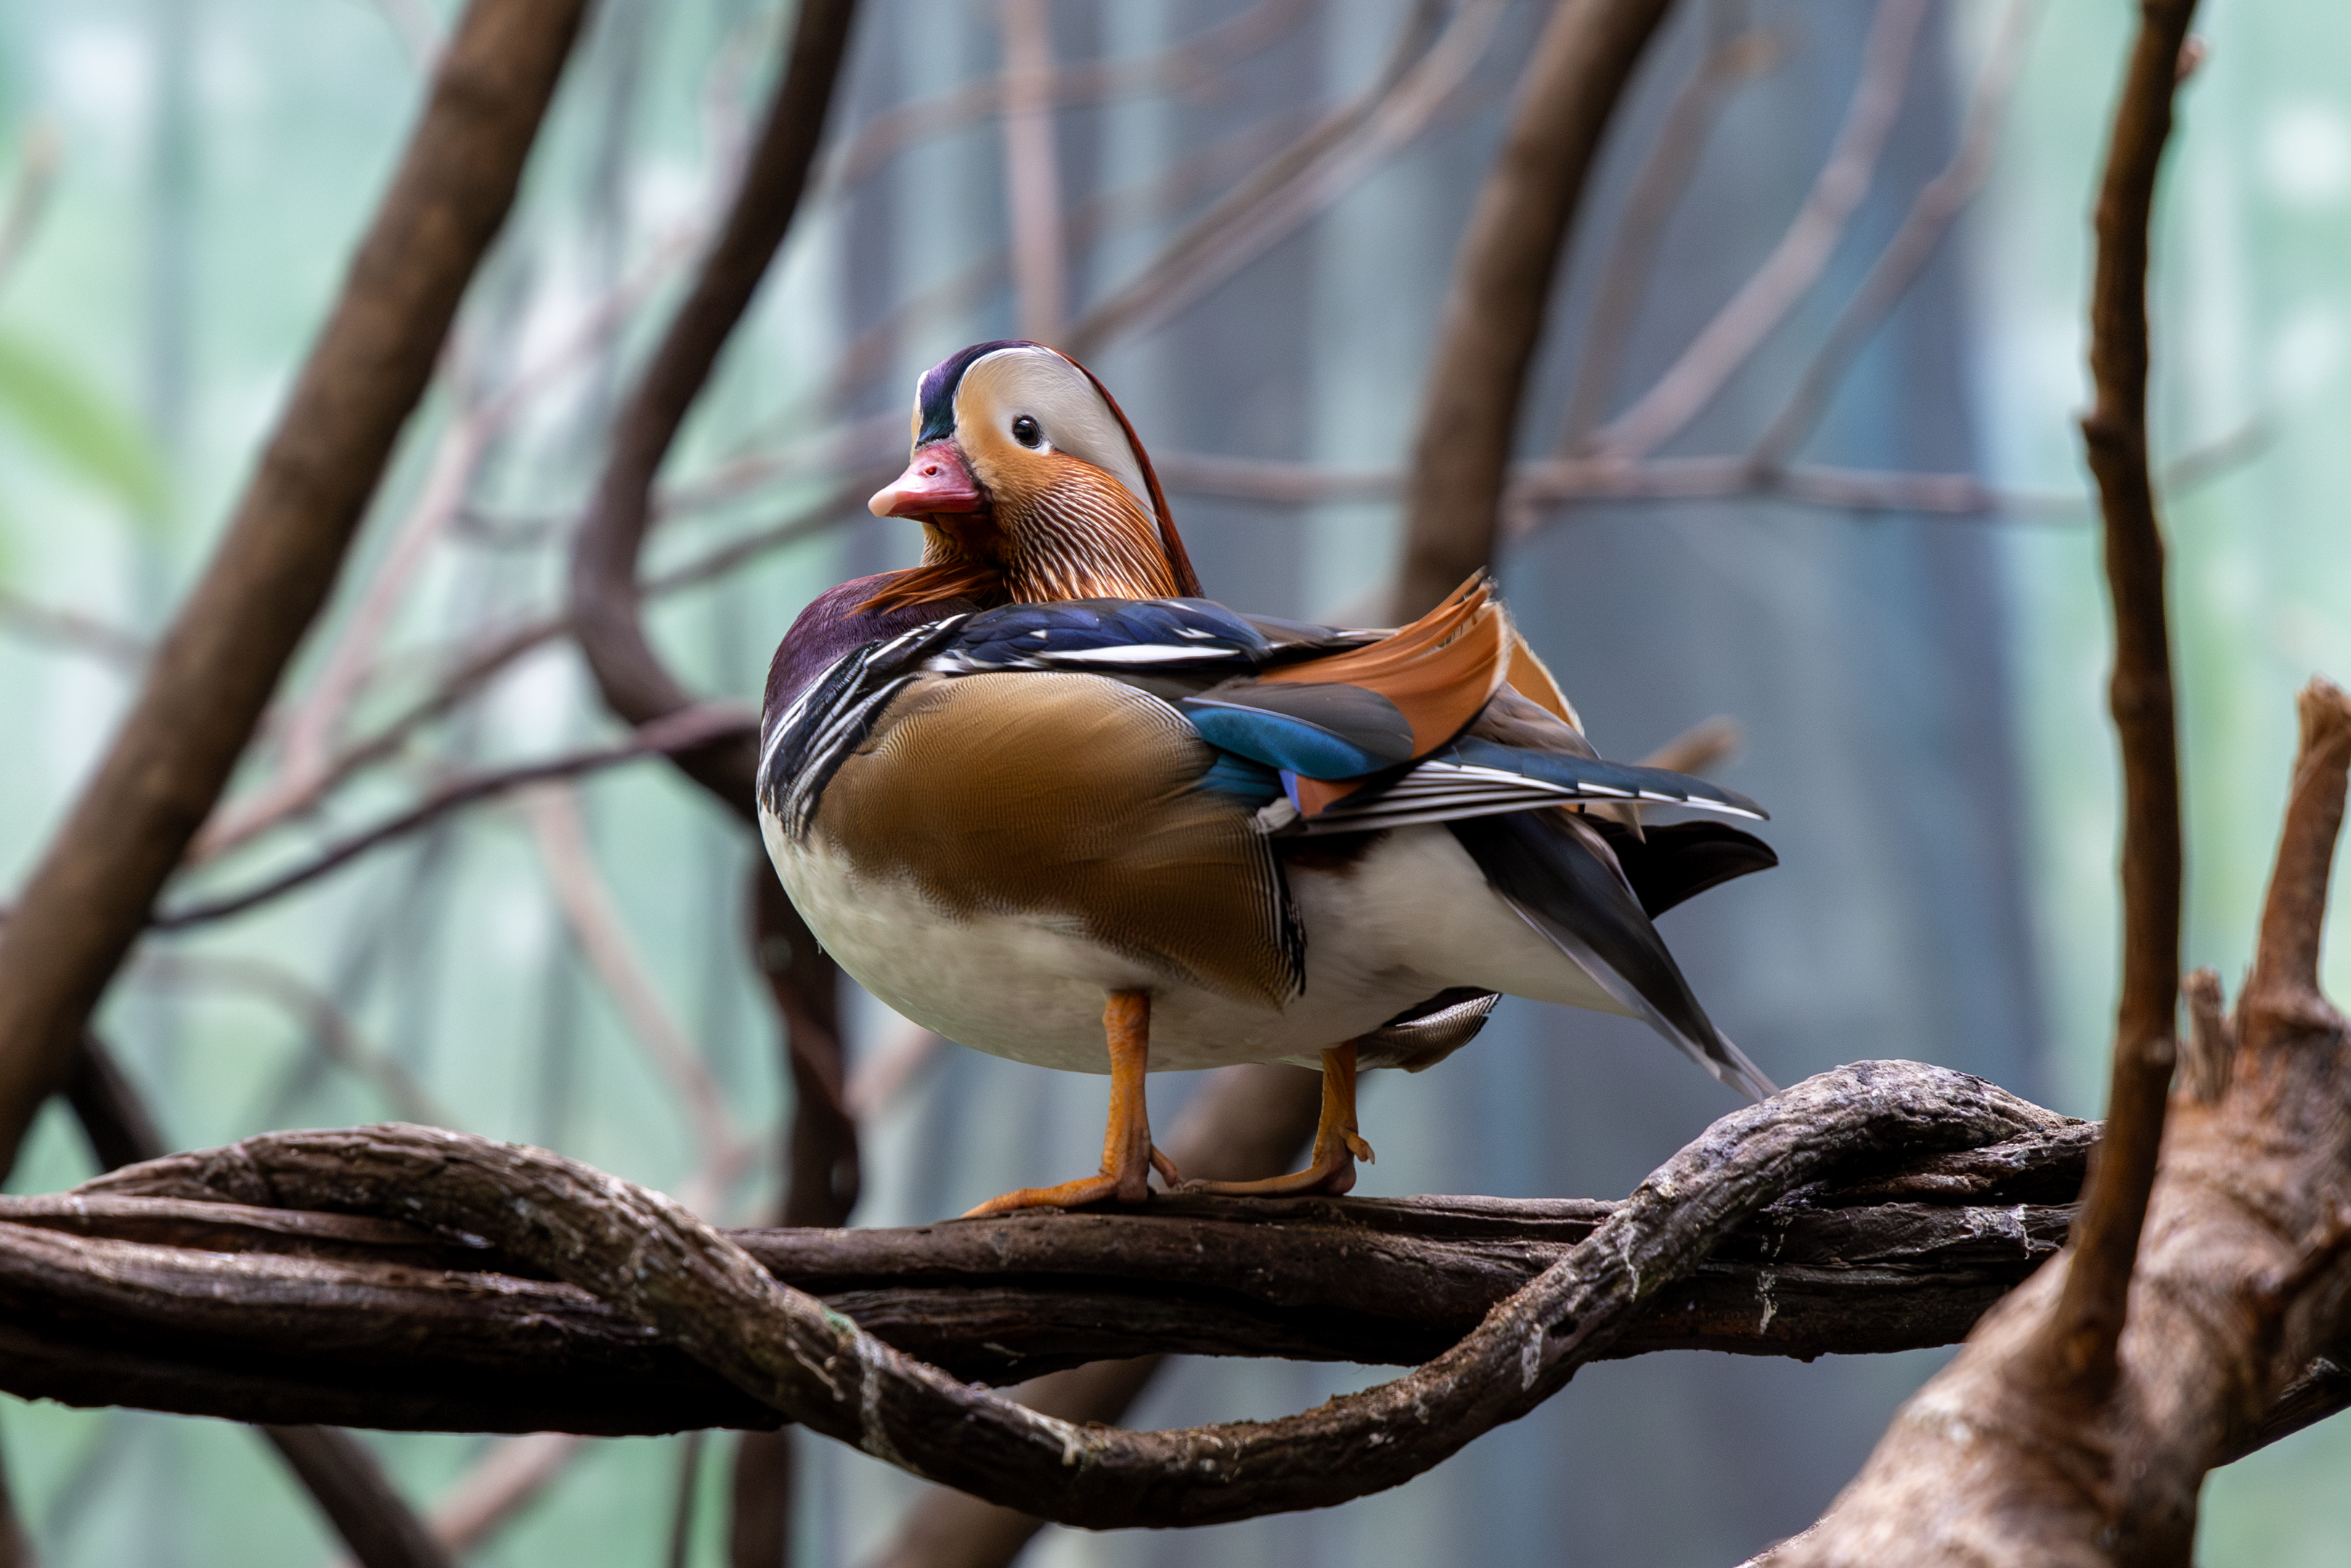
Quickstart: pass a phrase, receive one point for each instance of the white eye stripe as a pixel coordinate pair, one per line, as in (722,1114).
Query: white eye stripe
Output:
(1047,388)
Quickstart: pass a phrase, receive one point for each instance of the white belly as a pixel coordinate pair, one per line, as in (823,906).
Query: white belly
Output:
(1413,917)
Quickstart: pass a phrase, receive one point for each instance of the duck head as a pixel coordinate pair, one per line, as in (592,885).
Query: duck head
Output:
(1029,481)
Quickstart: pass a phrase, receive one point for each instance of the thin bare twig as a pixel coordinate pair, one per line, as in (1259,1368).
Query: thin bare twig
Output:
(1932,212)
(1171,189)
(326,1024)
(16,1546)
(418,30)
(901,1059)
(508,1479)
(1701,748)
(1179,69)
(1788,274)
(553,811)
(681,1518)
(348,1483)
(492,1492)
(74,630)
(311,728)
(604,609)
(692,727)
(1032,172)
(1321,166)
(1540,484)
(28,196)
(1736,53)
(2082,1331)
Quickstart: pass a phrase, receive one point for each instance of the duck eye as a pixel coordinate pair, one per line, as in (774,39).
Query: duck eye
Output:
(1028,432)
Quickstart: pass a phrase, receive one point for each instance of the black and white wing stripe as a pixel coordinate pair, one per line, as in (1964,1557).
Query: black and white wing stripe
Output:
(808,742)
(1476,778)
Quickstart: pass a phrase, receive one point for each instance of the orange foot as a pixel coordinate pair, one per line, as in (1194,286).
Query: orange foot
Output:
(1337,1144)
(1107,1187)
(1128,1158)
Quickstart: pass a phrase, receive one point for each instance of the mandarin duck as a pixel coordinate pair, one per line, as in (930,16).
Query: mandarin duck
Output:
(1038,795)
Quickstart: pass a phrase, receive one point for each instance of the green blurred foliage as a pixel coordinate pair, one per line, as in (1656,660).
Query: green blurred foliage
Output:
(55,409)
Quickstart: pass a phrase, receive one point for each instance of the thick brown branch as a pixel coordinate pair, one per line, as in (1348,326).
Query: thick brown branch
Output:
(165,772)
(1245,1122)
(821,1153)
(333,1314)
(607,617)
(1494,312)
(341,1477)
(659,1267)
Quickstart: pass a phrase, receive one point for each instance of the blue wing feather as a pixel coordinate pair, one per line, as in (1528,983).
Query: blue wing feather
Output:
(1281,740)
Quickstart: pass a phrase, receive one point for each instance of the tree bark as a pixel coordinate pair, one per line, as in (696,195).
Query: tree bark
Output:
(89,895)
(2243,1277)
(1245,1123)
(2091,1309)
(340,1475)
(363,1323)
(665,1269)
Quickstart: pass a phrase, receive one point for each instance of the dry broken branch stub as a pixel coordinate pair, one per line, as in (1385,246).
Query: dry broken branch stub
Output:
(658,1266)
(2241,1299)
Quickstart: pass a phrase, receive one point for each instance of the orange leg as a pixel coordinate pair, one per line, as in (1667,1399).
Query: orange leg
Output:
(1337,1145)
(1128,1158)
